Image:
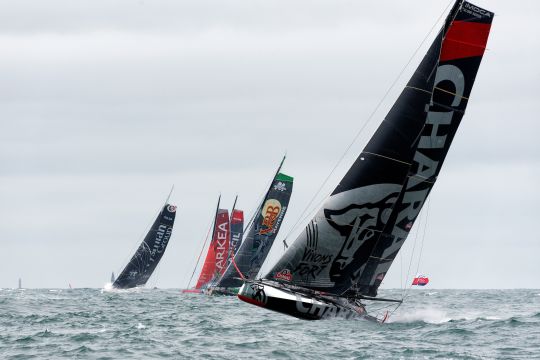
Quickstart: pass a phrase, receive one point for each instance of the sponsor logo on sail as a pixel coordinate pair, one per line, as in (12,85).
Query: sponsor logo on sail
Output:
(163,235)
(280,186)
(284,274)
(270,212)
(221,245)
(475,10)
(171,208)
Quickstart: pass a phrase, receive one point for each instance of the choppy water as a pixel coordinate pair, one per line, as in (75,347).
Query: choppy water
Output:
(142,324)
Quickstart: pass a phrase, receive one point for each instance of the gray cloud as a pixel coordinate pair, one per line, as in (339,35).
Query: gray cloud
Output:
(104,105)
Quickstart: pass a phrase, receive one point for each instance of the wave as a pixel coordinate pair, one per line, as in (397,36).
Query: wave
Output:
(108,288)
(437,316)
(430,316)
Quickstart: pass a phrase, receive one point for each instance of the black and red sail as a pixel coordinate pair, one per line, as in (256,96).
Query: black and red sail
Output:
(353,239)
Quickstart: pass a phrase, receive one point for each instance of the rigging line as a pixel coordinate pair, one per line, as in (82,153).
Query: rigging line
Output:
(169,196)
(200,254)
(237,269)
(422,239)
(362,128)
(401,271)
(412,258)
(423,236)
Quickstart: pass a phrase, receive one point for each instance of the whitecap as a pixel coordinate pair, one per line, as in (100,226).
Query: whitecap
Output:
(141,326)
(431,316)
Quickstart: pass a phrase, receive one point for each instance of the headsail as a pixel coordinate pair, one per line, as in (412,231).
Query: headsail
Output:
(353,239)
(262,232)
(216,258)
(146,258)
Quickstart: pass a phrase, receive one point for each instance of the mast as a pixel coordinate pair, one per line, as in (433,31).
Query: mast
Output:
(233,207)
(231,250)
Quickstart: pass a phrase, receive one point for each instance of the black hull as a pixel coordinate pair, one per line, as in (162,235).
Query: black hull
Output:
(300,305)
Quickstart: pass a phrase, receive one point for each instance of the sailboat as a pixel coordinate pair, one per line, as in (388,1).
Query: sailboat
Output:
(263,230)
(216,256)
(112,278)
(420,280)
(335,267)
(226,240)
(147,257)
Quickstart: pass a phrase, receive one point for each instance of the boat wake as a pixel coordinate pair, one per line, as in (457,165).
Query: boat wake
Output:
(430,316)
(108,288)
(438,316)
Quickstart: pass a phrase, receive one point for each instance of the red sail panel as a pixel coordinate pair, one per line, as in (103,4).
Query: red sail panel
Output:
(216,258)
(465,39)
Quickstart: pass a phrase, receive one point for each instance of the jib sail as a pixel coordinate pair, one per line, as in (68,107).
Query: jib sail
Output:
(147,257)
(261,234)
(353,239)
(216,258)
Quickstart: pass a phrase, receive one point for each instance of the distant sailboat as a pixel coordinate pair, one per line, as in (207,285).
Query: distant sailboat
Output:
(342,257)
(112,278)
(20,283)
(147,257)
(216,256)
(260,237)
(420,280)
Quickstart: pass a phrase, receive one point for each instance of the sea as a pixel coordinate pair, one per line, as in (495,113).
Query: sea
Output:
(167,324)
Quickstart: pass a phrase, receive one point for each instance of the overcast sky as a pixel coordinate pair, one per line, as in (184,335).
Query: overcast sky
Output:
(105,104)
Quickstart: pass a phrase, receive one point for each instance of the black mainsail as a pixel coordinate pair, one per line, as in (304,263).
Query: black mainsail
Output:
(346,250)
(147,257)
(261,234)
